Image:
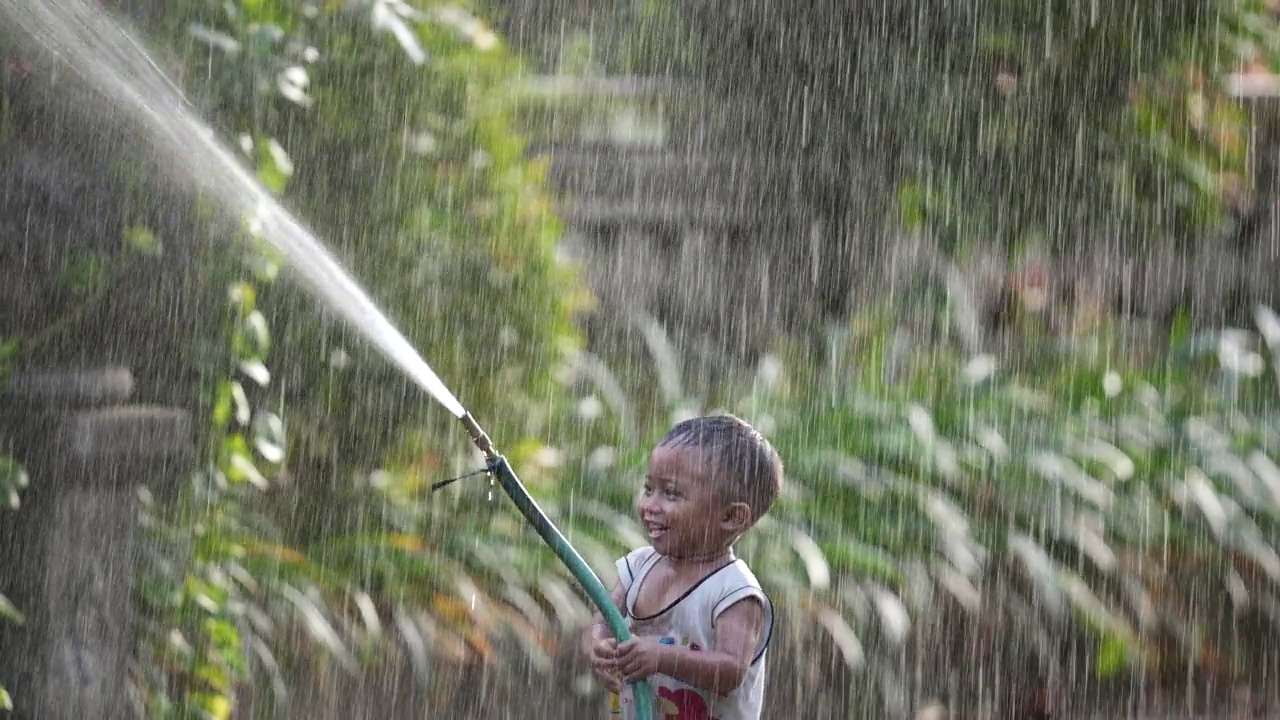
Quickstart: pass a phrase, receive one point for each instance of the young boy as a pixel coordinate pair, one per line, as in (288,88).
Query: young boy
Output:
(700,620)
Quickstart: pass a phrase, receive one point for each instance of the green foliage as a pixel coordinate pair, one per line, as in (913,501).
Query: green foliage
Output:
(953,472)
(222,591)
(197,588)
(1012,120)
(13,479)
(84,281)
(413,174)
(626,37)
(1092,504)
(228,581)
(142,240)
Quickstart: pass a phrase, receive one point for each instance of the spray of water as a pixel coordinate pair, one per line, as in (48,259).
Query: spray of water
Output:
(90,44)
(93,46)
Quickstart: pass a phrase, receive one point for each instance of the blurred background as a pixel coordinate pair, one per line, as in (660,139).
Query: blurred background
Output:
(996,277)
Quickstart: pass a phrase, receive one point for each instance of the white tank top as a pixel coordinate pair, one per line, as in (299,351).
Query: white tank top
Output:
(690,622)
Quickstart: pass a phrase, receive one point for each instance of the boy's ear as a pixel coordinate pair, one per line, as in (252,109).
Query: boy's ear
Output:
(736,517)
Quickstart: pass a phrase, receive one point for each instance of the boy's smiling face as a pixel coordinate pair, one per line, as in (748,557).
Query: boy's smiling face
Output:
(679,508)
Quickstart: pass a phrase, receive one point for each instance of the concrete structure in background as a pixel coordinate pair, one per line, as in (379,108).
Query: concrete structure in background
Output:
(67,560)
(680,224)
(671,221)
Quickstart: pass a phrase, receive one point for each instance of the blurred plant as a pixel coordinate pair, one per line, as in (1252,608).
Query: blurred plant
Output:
(1093,517)
(387,126)
(427,198)
(1166,147)
(13,479)
(244,557)
(86,278)
(226,581)
(1002,121)
(630,37)
(204,612)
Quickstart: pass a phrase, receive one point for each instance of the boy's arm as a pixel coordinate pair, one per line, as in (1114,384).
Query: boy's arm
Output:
(720,671)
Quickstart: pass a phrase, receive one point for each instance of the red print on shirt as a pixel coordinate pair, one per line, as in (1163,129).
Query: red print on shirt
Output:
(682,704)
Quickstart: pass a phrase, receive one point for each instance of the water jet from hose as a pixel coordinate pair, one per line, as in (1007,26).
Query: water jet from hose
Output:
(88,44)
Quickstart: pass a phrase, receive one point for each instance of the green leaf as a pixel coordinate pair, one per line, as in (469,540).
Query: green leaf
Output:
(142,240)
(214,38)
(242,296)
(911,205)
(270,176)
(6,701)
(9,348)
(264,266)
(269,437)
(256,334)
(243,411)
(222,404)
(318,625)
(9,612)
(238,464)
(215,706)
(1113,656)
(848,557)
(256,371)
(12,480)
(82,272)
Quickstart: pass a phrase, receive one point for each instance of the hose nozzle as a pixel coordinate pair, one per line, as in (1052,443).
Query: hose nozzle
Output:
(479,437)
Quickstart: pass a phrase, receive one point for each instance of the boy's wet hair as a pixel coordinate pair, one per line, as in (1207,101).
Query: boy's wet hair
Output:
(741,461)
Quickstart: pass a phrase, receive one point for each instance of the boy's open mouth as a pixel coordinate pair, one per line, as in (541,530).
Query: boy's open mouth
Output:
(655,530)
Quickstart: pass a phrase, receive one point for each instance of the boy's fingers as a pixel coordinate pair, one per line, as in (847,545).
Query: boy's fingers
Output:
(610,680)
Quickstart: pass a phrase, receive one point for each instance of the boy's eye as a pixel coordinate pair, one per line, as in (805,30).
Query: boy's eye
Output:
(672,493)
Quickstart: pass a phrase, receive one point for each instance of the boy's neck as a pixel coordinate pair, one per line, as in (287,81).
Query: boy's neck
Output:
(715,557)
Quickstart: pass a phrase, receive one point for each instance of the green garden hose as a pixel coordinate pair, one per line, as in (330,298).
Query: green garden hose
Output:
(501,469)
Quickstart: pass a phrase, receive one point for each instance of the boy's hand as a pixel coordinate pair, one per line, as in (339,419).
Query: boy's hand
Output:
(604,663)
(640,657)
(601,647)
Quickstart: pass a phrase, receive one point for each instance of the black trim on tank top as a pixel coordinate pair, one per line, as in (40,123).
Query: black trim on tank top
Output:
(773,620)
(673,603)
(768,607)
